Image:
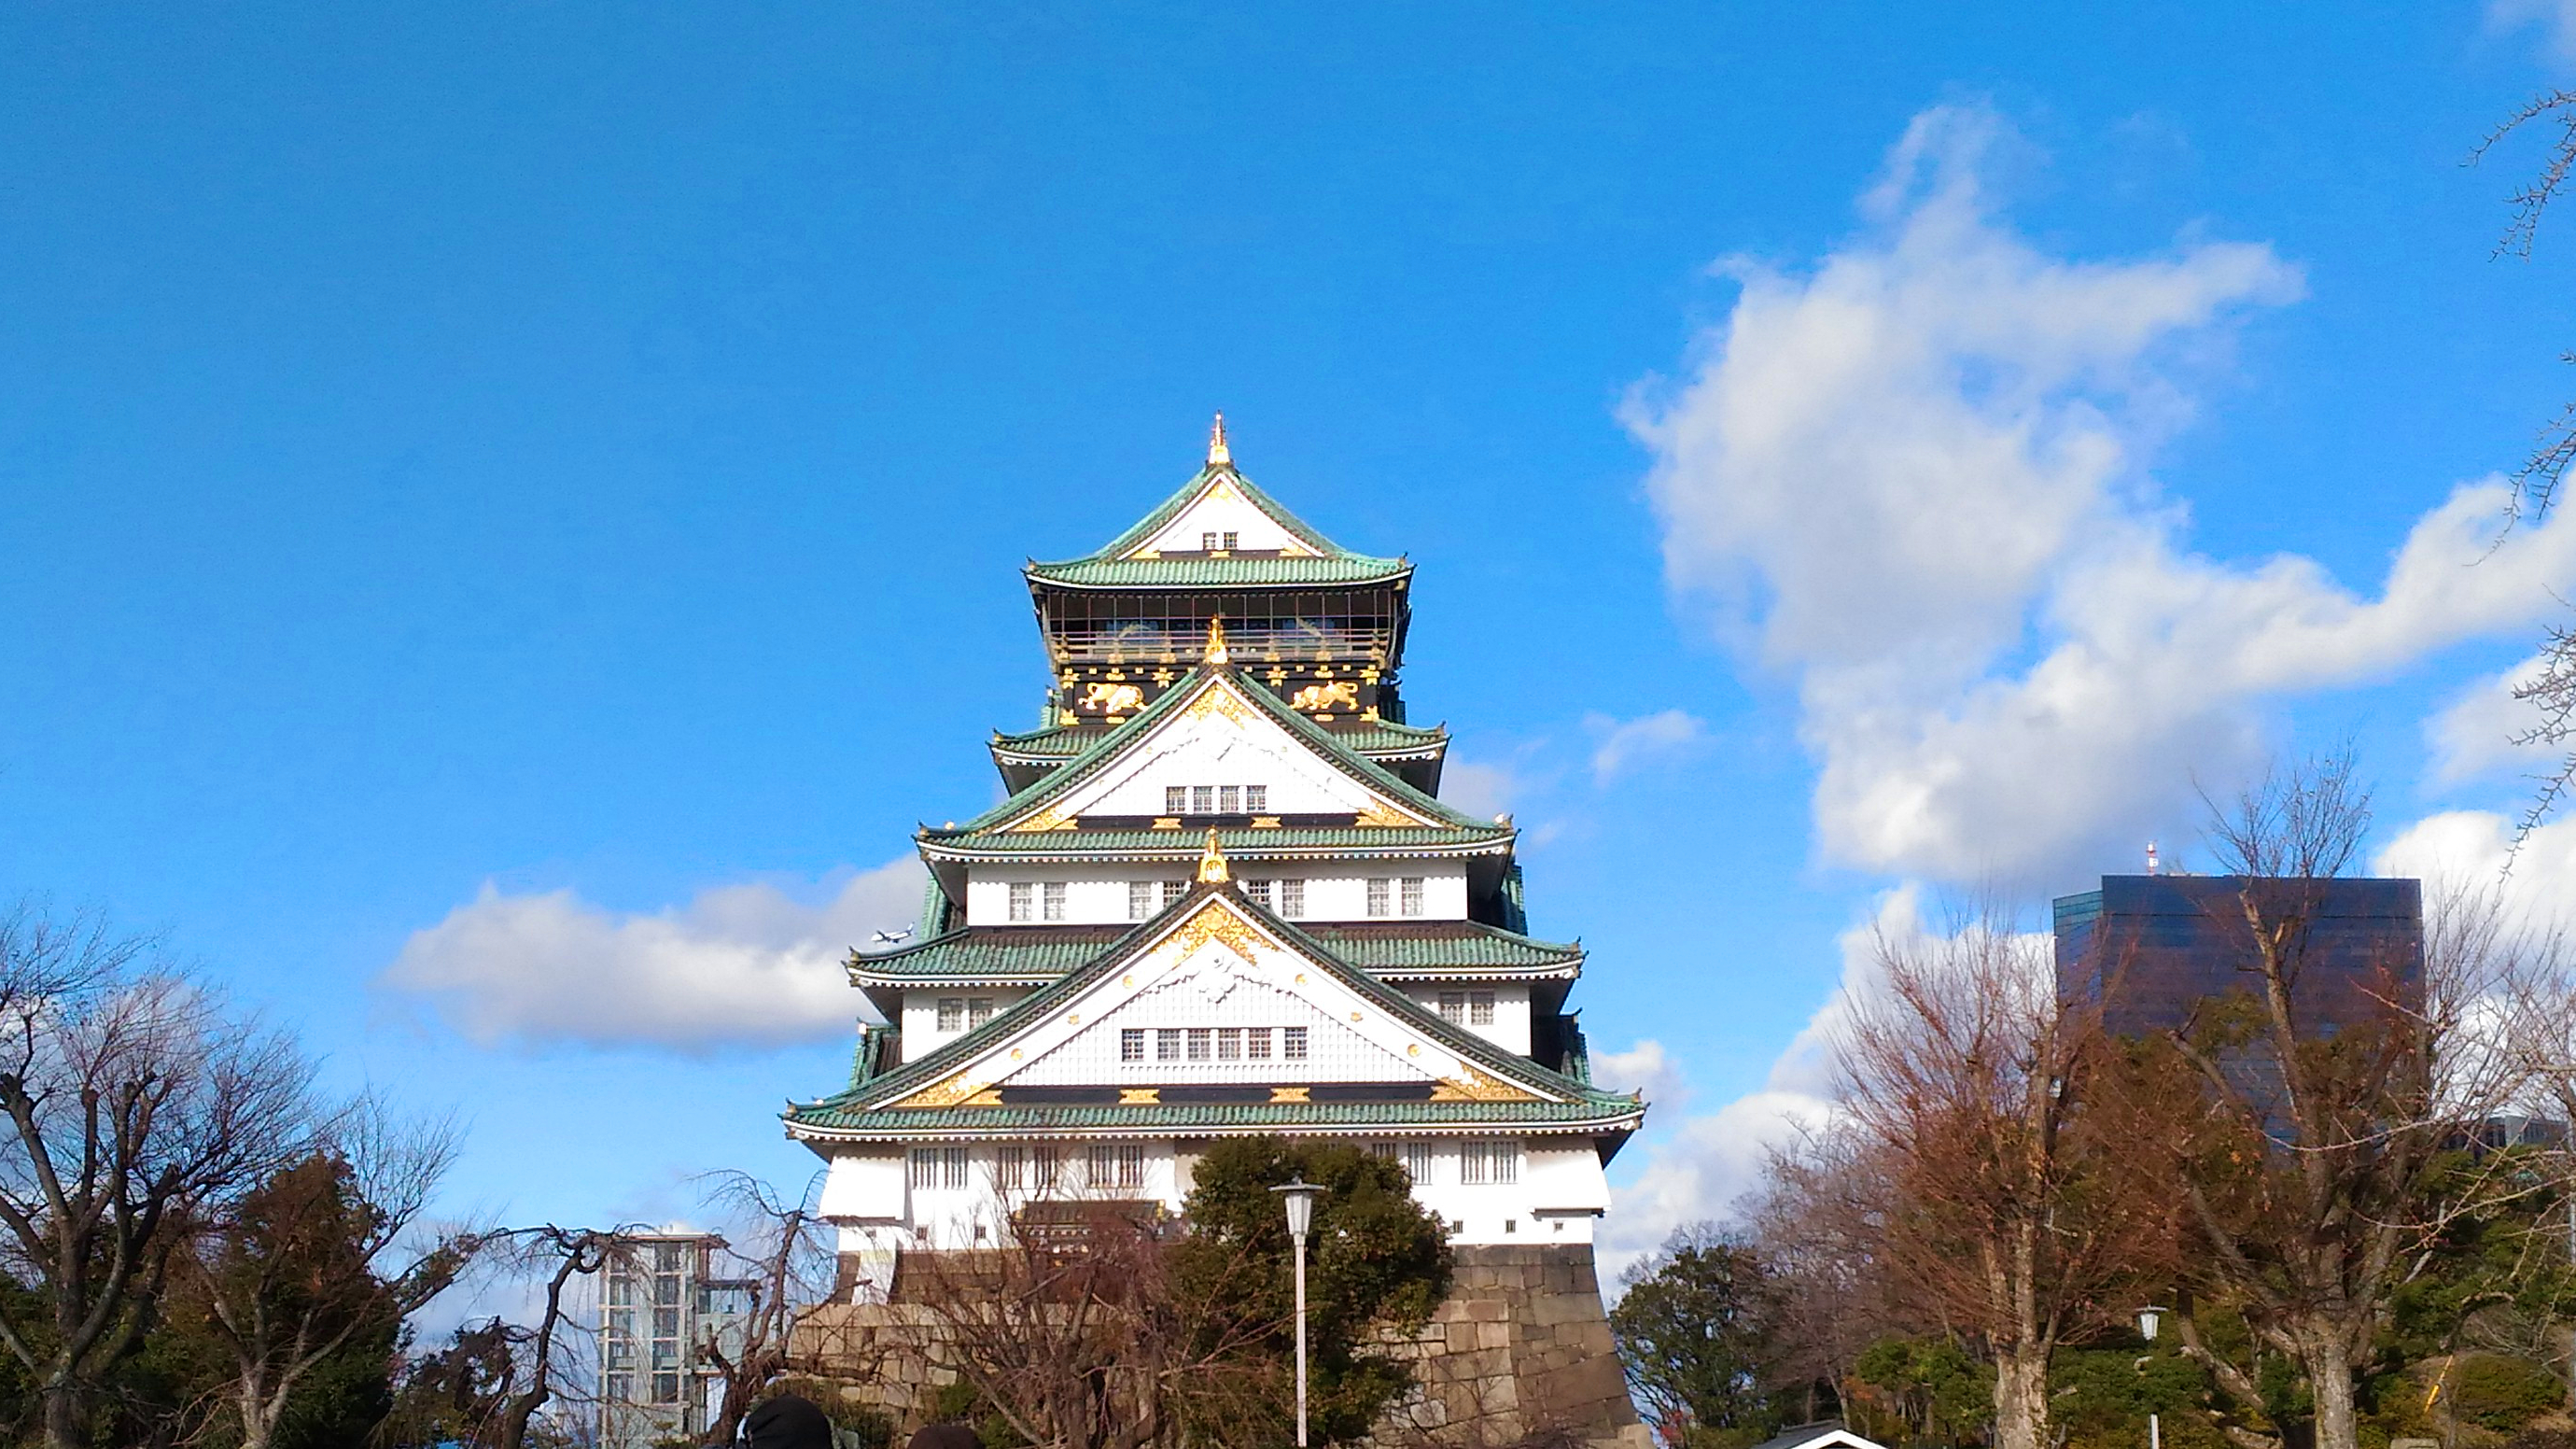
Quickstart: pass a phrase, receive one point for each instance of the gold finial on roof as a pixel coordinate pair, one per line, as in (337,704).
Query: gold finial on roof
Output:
(1218,452)
(1212,862)
(1216,650)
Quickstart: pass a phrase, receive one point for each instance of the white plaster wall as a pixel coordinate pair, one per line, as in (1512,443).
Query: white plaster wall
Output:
(921,1033)
(1560,1195)
(1213,750)
(1223,508)
(863,1185)
(1094,897)
(1334,1052)
(1510,1029)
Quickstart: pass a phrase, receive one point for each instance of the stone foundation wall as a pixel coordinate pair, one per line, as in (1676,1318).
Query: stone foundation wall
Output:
(1519,1353)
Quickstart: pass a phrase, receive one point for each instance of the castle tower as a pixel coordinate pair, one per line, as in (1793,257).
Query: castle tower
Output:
(1224,897)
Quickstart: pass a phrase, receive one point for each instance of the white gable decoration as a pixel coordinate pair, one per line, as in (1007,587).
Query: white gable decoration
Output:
(1223,509)
(1220,737)
(1219,968)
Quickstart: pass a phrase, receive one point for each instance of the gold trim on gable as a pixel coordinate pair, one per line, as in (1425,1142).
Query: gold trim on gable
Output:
(957,1091)
(1216,699)
(1054,817)
(1475,1086)
(1382,815)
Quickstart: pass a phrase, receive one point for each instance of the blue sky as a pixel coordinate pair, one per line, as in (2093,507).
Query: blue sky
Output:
(511,515)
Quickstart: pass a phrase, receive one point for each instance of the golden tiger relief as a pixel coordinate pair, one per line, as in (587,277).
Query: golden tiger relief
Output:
(1113,698)
(1340,693)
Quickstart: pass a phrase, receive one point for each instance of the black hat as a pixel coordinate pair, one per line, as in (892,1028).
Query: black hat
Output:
(786,1422)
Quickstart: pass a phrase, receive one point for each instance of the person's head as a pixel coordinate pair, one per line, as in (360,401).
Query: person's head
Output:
(786,1422)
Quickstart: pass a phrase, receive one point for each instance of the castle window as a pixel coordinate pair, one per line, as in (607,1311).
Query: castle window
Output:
(1054,901)
(1010,1167)
(1140,899)
(1380,892)
(1489,1163)
(979,1010)
(943,1167)
(1409,895)
(1117,1164)
(952,1013)
(1256,1043)
(1131,1045)
(1229,539)
(1292,898)
(1292,1043)
(1199,1043)
(1202,799)
(1480,1008)
(1043,1167)
(1229,799)
(1256,798)
(1167,1045)
(1173,890)
(1453,1007)
(1418,1157)
(1023,901)
(1176,799)
(1207,542)
(1229,1044)
(1259,891)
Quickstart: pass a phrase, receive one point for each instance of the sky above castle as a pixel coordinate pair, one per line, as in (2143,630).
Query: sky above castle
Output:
(512,514)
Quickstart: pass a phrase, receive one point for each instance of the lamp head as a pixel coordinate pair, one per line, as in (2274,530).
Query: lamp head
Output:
(1298,1196)
(2148,1318)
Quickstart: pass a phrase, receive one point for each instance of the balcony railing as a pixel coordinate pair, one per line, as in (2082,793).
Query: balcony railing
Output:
(1147,644)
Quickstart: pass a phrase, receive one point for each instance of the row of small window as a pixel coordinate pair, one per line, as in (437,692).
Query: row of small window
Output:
(964,1013)
(1467,1008)
(1385,896)
(1018,1167)
(1480,1164)
(1215,799)
(1212,1043)
(1043,1166)
(1211,542)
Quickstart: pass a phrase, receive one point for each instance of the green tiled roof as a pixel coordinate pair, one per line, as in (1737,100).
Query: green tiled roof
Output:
(1456,827)
(1108,568)
(1033,954)
(849,1110)
(1594,1109)
(1375,737)
(1244,844)
(1203,573)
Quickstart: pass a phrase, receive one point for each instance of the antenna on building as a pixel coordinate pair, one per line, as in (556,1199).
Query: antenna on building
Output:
(1219,455)
(2151,857)
(1212,862)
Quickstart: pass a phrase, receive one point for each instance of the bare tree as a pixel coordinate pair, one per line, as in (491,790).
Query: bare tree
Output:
(558,1255)
(788,1269)
(2304,1116)
(1081,1335)
(134,1102)
(2543,474)
(1969,1083)
(291,1273)
(1817,1221)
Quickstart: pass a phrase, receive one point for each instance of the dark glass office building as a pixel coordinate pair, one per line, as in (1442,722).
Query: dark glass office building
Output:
(2151,947)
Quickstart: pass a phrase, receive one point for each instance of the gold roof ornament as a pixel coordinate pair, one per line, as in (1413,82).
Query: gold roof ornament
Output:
(1212,868)
(1219,455)
(1216,651)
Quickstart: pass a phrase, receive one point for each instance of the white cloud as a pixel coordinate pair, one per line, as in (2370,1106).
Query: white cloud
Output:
(1706,1165)
(1479,790)
(2557,18)
(1645,1069)
(1912,476)
(2474,849)
(1620,744)
(2474,735)
(739,966)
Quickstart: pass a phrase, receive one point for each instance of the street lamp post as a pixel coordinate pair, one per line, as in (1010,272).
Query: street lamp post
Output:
(1298,1196)
(2148,1317)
